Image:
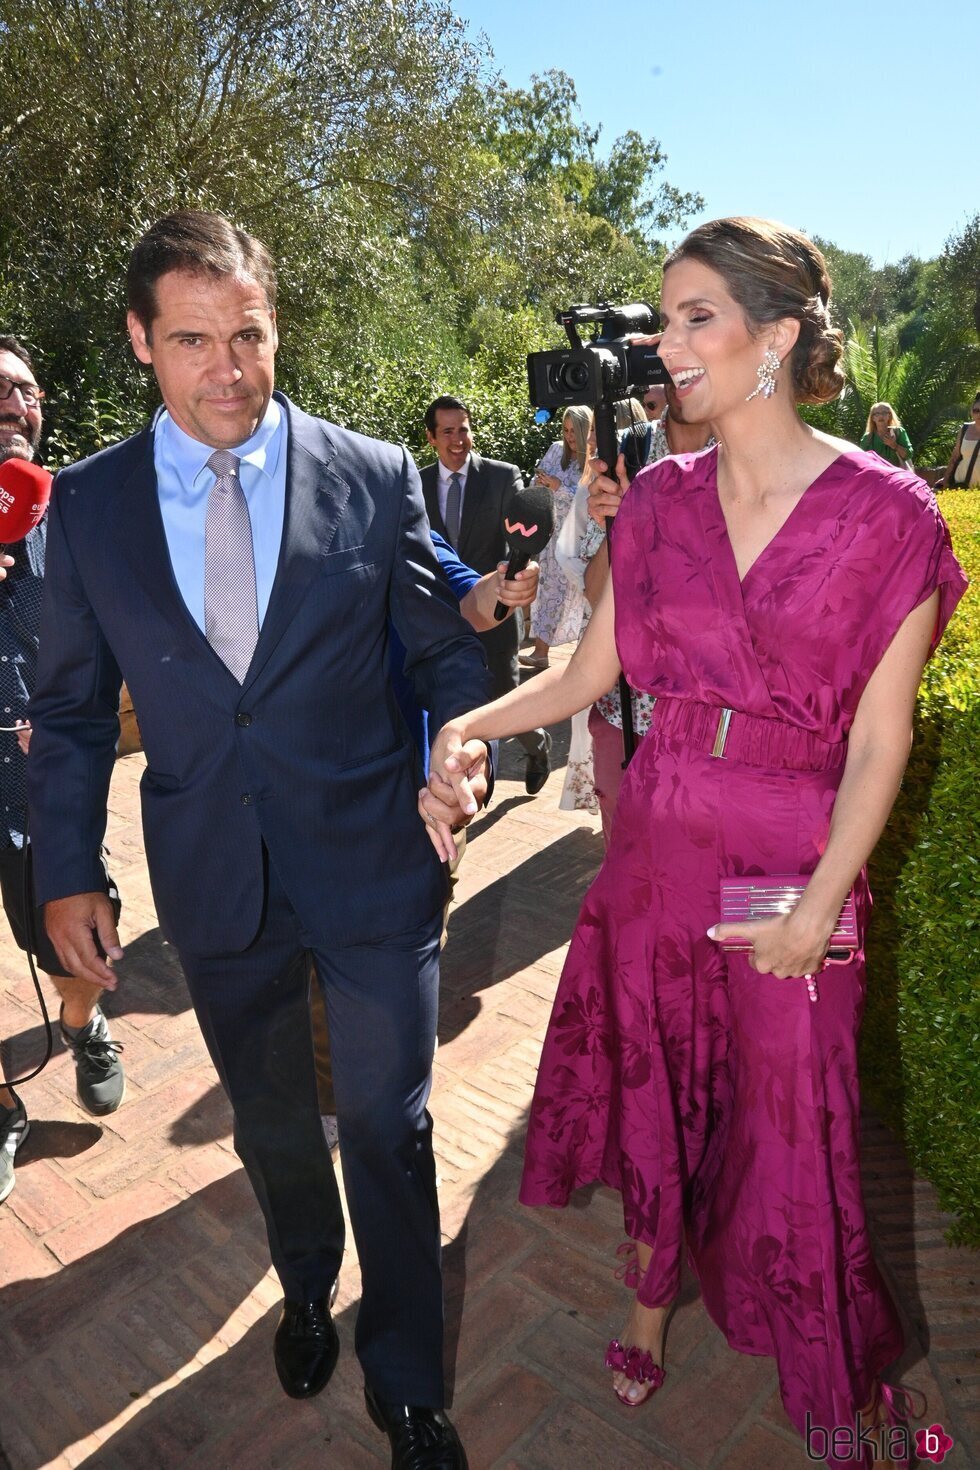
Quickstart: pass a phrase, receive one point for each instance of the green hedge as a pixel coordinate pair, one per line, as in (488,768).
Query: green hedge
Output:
(921,1040)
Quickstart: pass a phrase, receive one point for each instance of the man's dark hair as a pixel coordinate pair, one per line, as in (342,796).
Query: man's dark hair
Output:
(445,401)
(14,345)
(200,244)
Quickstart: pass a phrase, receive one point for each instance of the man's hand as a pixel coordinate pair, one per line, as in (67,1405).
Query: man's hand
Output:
(24,735)
(82,929)
(519,590)
(478,605)
(5,562)
(605,493)
(457,788)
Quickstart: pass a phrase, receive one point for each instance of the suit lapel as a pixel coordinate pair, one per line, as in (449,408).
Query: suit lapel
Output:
(477,523)
(138,521)
(430,494)
(316,496)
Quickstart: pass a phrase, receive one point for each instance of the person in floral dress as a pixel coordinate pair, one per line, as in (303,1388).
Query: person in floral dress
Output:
(557,612)
(778,596)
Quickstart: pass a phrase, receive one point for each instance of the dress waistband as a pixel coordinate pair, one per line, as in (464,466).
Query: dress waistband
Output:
(749,739)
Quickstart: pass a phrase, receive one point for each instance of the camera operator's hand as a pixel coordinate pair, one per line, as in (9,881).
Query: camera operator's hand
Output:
(605,493)
(83,930)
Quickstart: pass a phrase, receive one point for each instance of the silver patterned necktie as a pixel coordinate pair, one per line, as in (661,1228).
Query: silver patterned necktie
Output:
(231,617)
(454,506)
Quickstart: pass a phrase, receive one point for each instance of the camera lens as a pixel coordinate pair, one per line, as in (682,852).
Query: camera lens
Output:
(574,376)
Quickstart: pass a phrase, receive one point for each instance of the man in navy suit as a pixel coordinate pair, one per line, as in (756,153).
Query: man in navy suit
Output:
(238,563)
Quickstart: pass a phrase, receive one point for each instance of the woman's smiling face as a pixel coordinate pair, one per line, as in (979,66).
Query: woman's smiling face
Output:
(707,346)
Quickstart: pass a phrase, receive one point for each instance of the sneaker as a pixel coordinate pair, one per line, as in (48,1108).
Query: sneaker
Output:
(99,1077)
(14,1128)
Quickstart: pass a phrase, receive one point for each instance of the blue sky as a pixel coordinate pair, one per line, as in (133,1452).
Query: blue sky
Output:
(853,119)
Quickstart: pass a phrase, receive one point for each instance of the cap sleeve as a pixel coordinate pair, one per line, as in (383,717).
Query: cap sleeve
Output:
(923,561)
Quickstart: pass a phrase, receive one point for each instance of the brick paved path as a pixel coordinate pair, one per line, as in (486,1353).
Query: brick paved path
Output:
(137,1312)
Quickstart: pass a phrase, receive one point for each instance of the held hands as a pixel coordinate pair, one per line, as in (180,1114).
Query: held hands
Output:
(605,493)
(82,929)
(787,947)
(456,790)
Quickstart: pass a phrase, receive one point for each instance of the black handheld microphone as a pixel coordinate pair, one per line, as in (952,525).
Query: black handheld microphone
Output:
(529,522)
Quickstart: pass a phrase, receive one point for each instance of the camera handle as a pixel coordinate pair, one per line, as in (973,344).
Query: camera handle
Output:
(607,449)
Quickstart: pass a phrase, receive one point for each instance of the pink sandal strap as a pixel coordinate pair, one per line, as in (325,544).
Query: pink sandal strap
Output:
(629,1271)
(638,1366)
(901,1402)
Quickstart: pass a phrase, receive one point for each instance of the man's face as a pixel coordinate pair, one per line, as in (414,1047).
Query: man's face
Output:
(653,401)
(453,439)
(212,346)
(20,423)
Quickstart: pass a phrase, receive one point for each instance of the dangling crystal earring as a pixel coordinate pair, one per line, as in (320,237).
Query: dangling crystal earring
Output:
(766,371)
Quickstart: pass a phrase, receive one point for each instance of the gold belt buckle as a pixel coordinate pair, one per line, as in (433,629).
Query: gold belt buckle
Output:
(721,734)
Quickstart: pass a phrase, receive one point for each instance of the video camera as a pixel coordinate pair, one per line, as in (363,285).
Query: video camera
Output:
(603,369)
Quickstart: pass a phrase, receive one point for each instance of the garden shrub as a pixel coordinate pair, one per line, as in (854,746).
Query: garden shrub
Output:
(920,1052)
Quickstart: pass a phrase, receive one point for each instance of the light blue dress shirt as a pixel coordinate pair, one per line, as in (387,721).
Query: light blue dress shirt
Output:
(183,482)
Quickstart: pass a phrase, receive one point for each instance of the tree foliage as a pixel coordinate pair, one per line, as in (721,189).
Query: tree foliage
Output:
(418,207)
(958,275)
(928,386)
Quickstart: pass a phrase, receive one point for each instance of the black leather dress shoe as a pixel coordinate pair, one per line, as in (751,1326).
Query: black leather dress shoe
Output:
(306,1347)
(538,768)
(421,1439)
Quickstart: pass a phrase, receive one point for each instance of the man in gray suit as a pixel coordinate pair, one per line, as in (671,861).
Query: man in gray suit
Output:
(466,498)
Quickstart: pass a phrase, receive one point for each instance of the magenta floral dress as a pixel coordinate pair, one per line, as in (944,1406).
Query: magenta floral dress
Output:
(723,1104)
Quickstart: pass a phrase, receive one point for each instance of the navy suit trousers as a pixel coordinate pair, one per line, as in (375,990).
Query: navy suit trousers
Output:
(382,1002)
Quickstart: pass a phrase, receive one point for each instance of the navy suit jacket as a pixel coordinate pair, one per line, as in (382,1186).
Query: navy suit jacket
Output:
(309,756)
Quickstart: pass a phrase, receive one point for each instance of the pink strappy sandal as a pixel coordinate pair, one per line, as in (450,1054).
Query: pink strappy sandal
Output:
(638,1366)
(900,1405)
(636,1363)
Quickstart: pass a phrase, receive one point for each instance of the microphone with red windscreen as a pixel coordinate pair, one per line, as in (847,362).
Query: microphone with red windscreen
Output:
(529,522)
(25,490)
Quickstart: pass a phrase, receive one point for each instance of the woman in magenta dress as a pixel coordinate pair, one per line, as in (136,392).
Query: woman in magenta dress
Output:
(787,587)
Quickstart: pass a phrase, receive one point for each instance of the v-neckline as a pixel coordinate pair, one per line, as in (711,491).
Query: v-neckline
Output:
(778,533)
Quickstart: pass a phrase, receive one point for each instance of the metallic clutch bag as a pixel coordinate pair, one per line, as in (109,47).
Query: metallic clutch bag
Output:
(746,899)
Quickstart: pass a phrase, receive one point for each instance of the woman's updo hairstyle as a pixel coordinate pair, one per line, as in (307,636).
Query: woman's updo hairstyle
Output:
(774,272)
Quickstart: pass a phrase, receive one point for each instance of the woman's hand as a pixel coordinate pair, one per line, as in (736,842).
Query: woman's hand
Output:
(605,493)
(457,786)
(789,947)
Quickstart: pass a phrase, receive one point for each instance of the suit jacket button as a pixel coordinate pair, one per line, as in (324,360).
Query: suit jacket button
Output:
(246,798)
(243,719)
